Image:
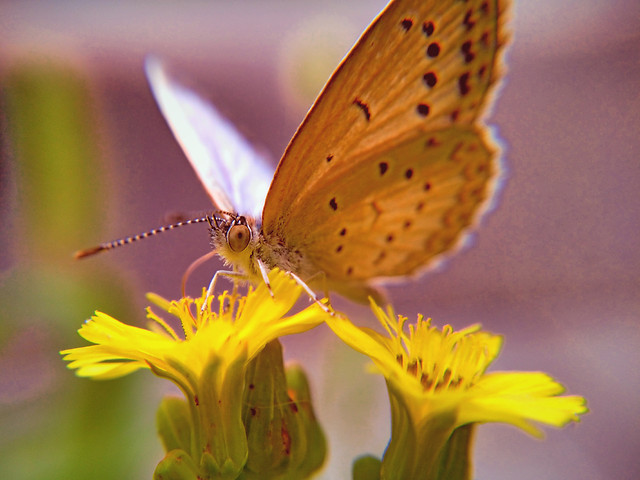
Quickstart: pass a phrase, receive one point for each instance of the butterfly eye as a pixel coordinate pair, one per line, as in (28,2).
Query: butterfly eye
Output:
(238,237)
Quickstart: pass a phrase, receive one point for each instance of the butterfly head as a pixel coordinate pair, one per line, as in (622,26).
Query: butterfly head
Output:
(234,238)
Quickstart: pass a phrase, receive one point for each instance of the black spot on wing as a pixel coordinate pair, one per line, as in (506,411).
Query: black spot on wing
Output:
(422,109)
(431,142)
(428,28)
(466,51)
(484,39)
(463,83)
(433,50)
(430,79)
(364,107)
(467,21)
(381,256)
(406,24)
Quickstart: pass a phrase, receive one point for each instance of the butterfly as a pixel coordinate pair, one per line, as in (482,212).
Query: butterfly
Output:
(390,169)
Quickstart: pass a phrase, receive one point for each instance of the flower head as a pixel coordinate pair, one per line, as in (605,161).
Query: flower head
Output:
(208,361)
(437,382)
(236,326)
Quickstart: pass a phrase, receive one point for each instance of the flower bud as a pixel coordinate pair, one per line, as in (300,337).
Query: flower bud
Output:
(285,440)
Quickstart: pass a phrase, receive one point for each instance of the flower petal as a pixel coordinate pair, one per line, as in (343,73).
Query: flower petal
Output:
(520,398)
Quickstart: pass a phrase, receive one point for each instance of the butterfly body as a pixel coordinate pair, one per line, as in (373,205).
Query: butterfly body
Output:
(390,169)
(249,257)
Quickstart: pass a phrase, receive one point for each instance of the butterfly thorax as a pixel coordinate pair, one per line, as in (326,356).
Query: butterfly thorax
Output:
(274,251)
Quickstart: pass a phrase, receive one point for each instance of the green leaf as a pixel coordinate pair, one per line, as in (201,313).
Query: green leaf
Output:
(174,424)
(176,465)
(454,462)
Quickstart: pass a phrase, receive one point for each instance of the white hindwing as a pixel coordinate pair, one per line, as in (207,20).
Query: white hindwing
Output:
(234,174)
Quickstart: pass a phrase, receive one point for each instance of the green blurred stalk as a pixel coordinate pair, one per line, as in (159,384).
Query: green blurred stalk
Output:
(48,112)
(54,425)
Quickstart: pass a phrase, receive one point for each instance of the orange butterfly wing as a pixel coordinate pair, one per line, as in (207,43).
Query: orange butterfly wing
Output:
(409,95)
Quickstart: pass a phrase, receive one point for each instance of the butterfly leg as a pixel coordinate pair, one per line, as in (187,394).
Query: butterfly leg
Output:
(320,278)
(264,271)
(212,284)
(311,293)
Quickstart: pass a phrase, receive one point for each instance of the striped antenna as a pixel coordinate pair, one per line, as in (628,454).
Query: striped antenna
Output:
(126,240)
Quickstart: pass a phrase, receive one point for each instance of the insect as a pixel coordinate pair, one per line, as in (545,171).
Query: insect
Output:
(391,168)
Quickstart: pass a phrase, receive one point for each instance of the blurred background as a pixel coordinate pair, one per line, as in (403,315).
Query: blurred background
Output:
(87,157)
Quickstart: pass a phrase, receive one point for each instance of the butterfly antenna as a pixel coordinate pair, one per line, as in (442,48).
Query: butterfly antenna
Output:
(126,240)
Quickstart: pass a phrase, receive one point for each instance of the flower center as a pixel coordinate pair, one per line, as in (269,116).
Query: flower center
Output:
(431,378)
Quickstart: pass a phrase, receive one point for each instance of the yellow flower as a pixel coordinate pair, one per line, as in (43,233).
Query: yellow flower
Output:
(208,361)
(437,383)
(240,326)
